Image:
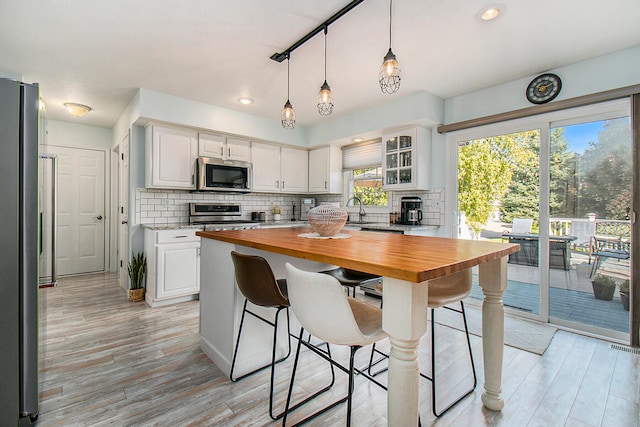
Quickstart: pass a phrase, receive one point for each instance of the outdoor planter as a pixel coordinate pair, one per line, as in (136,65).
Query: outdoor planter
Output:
(624,294)
(603,287)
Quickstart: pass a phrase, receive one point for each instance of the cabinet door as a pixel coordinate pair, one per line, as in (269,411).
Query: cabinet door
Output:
(238,149)
(211,145)
(266,167)
(173,156)
(319,170)
(325,170)
(294,170)
(399,162)
(178,269)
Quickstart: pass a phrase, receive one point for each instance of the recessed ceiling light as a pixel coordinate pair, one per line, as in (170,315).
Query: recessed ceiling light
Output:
(245,101)
(491,12)
(357,139)
(77,110)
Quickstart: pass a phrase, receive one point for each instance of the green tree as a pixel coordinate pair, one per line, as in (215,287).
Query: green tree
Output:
(605,171)
(485,170)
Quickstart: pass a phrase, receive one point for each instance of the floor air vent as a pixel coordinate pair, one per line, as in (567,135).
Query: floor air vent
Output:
(627,349)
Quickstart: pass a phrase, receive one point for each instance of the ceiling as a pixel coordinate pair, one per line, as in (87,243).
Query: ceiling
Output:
(214,51)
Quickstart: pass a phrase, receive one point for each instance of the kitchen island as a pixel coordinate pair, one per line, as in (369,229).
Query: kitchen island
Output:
(407,263)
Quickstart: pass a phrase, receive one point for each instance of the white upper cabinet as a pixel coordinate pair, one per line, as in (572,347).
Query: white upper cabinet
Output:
(294,170)
(266,167)
(279,169)
(325,170)
(223,147)
(170,157)
(406,156)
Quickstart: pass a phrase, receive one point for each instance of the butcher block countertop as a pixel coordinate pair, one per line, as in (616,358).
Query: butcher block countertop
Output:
(411,258)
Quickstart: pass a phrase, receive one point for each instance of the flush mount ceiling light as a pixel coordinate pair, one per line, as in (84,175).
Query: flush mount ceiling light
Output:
(325,97)
(491,12)
(288,115)
(77,110)
(389,77)
(245,101)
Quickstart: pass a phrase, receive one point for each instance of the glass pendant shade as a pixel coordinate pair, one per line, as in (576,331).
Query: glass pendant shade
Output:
(288,116)
(325,100)
(389,78)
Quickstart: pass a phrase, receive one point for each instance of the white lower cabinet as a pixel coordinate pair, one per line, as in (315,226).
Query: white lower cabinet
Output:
(173,266)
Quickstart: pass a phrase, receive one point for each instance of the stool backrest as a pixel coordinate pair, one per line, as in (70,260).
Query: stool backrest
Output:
(256,281)
(320,305)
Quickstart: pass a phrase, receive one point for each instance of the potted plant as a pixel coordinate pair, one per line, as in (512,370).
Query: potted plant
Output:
(624,294)
(137,268)
(603,287)
(276,211)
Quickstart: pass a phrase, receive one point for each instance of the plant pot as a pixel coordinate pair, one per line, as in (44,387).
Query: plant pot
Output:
(136,295)
(276,217)
(602,292)
(625,300)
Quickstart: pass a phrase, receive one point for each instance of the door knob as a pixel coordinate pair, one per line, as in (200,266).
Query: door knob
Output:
(99,217)
(125,222)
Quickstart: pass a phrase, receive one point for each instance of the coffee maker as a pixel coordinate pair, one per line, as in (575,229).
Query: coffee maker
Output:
(410,210)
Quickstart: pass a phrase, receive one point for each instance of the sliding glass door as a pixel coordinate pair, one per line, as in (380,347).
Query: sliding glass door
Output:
(590,204)
(559,185)
(498,199)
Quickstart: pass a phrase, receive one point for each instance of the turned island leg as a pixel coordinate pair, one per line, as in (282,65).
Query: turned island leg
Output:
(493,280)
(404,318)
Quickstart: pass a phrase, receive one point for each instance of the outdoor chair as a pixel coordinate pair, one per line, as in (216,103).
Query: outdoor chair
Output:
(521,225)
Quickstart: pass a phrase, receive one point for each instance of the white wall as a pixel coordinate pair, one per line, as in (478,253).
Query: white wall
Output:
(171,109)
(77,135)
(612,71)
(421,108)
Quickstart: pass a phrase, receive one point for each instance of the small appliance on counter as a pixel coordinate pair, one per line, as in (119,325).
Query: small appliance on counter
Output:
(306,204)
(410,211)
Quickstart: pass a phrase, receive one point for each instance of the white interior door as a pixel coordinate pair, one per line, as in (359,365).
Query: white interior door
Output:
(81,181)
(123,210)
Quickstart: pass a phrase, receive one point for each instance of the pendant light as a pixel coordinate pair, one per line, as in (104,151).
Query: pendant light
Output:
(389,78)
(288,115)
(325,97)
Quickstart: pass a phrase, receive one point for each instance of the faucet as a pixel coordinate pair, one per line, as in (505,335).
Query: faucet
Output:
(361,211)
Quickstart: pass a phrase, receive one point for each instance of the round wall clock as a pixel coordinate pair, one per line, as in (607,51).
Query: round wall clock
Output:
(544,88)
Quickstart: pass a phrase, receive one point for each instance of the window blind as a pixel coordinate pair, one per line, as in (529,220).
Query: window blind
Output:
(361,155)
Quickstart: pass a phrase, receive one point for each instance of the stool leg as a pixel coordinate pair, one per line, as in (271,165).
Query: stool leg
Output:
(433,364)
(235,352)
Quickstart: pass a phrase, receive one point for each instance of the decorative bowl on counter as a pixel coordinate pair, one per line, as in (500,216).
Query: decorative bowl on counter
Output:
(327,220)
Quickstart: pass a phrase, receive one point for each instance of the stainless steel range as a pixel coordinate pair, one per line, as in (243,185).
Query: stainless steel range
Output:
(219,216)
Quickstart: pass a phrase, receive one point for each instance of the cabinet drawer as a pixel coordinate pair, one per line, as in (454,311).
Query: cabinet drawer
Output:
(177,236)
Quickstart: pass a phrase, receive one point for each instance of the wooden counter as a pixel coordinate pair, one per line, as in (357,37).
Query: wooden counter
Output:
(407,263)
(411,258)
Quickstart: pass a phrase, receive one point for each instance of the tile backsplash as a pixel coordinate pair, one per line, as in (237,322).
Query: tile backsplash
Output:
(171,207)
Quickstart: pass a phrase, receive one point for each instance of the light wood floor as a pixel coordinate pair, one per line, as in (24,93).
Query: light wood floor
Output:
(106,361)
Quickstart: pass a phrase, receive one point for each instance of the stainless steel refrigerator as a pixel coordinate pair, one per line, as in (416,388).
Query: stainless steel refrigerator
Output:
(18,253)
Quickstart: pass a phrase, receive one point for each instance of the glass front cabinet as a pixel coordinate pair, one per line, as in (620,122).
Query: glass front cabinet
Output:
(406,162)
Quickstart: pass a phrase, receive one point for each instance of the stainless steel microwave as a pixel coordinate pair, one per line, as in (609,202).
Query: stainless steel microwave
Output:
(223,175)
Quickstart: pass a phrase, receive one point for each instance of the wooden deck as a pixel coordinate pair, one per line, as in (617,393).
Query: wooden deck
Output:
(570,293)
(106,361)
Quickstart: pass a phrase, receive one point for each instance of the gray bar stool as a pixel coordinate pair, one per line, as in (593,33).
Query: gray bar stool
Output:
(351,279)
(442,291)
